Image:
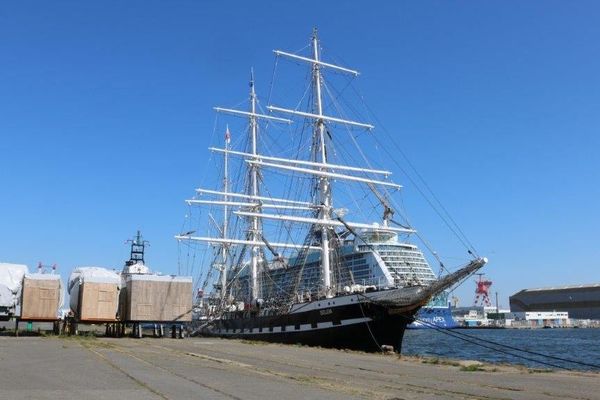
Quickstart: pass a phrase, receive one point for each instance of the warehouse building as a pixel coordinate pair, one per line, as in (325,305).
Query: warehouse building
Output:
(580,301)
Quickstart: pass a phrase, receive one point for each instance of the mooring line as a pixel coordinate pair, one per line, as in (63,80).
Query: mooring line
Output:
(474,339)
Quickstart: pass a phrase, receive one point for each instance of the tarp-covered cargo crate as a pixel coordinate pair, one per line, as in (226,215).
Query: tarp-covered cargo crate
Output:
(42,297)
(157,298)
(11,282)
(98,302)
(94,294)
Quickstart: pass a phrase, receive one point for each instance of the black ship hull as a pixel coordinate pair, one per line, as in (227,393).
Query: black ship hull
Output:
(342,322)
(361,321)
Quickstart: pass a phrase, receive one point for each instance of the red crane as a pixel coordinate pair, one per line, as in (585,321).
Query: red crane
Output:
(482,291)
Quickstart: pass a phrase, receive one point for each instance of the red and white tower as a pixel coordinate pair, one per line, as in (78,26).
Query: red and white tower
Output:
(482,291)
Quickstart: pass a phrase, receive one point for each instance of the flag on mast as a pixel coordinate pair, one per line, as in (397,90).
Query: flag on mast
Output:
(227,135)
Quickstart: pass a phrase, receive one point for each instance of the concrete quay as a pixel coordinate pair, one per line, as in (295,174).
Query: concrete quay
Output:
(207,368)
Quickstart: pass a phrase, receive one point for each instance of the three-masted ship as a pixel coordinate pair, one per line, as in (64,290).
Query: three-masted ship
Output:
(342,283)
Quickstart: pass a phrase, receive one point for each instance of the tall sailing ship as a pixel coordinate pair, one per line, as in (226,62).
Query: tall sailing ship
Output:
(287,265)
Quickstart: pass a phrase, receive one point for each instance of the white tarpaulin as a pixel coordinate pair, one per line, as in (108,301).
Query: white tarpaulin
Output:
(89,274)
(137,268)
(11,282)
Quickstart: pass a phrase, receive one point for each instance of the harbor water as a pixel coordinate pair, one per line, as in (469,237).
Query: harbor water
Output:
(573,344)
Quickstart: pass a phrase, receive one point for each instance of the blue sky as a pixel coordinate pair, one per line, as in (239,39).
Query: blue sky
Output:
(106,112)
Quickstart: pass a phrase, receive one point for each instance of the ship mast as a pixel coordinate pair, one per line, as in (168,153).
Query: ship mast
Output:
(322,170)
(254,201)
(324,186)
(252,205)
(223,277)
(254,230)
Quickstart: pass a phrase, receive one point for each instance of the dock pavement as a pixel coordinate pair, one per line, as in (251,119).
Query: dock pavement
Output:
(207,368)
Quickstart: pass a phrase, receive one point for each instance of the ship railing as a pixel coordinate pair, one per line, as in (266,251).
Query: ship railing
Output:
(379,282)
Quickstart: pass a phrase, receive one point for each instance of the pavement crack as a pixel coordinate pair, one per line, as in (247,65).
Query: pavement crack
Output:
(464,395)
(121,370)
(194,381)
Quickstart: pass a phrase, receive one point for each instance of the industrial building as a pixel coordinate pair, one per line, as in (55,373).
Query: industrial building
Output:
(580,301)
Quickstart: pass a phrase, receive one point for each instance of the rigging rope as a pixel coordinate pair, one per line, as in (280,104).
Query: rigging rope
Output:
(447,218)
(369,328)
(456,228)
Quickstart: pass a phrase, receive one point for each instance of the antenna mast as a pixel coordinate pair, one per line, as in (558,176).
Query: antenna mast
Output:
(138,245)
